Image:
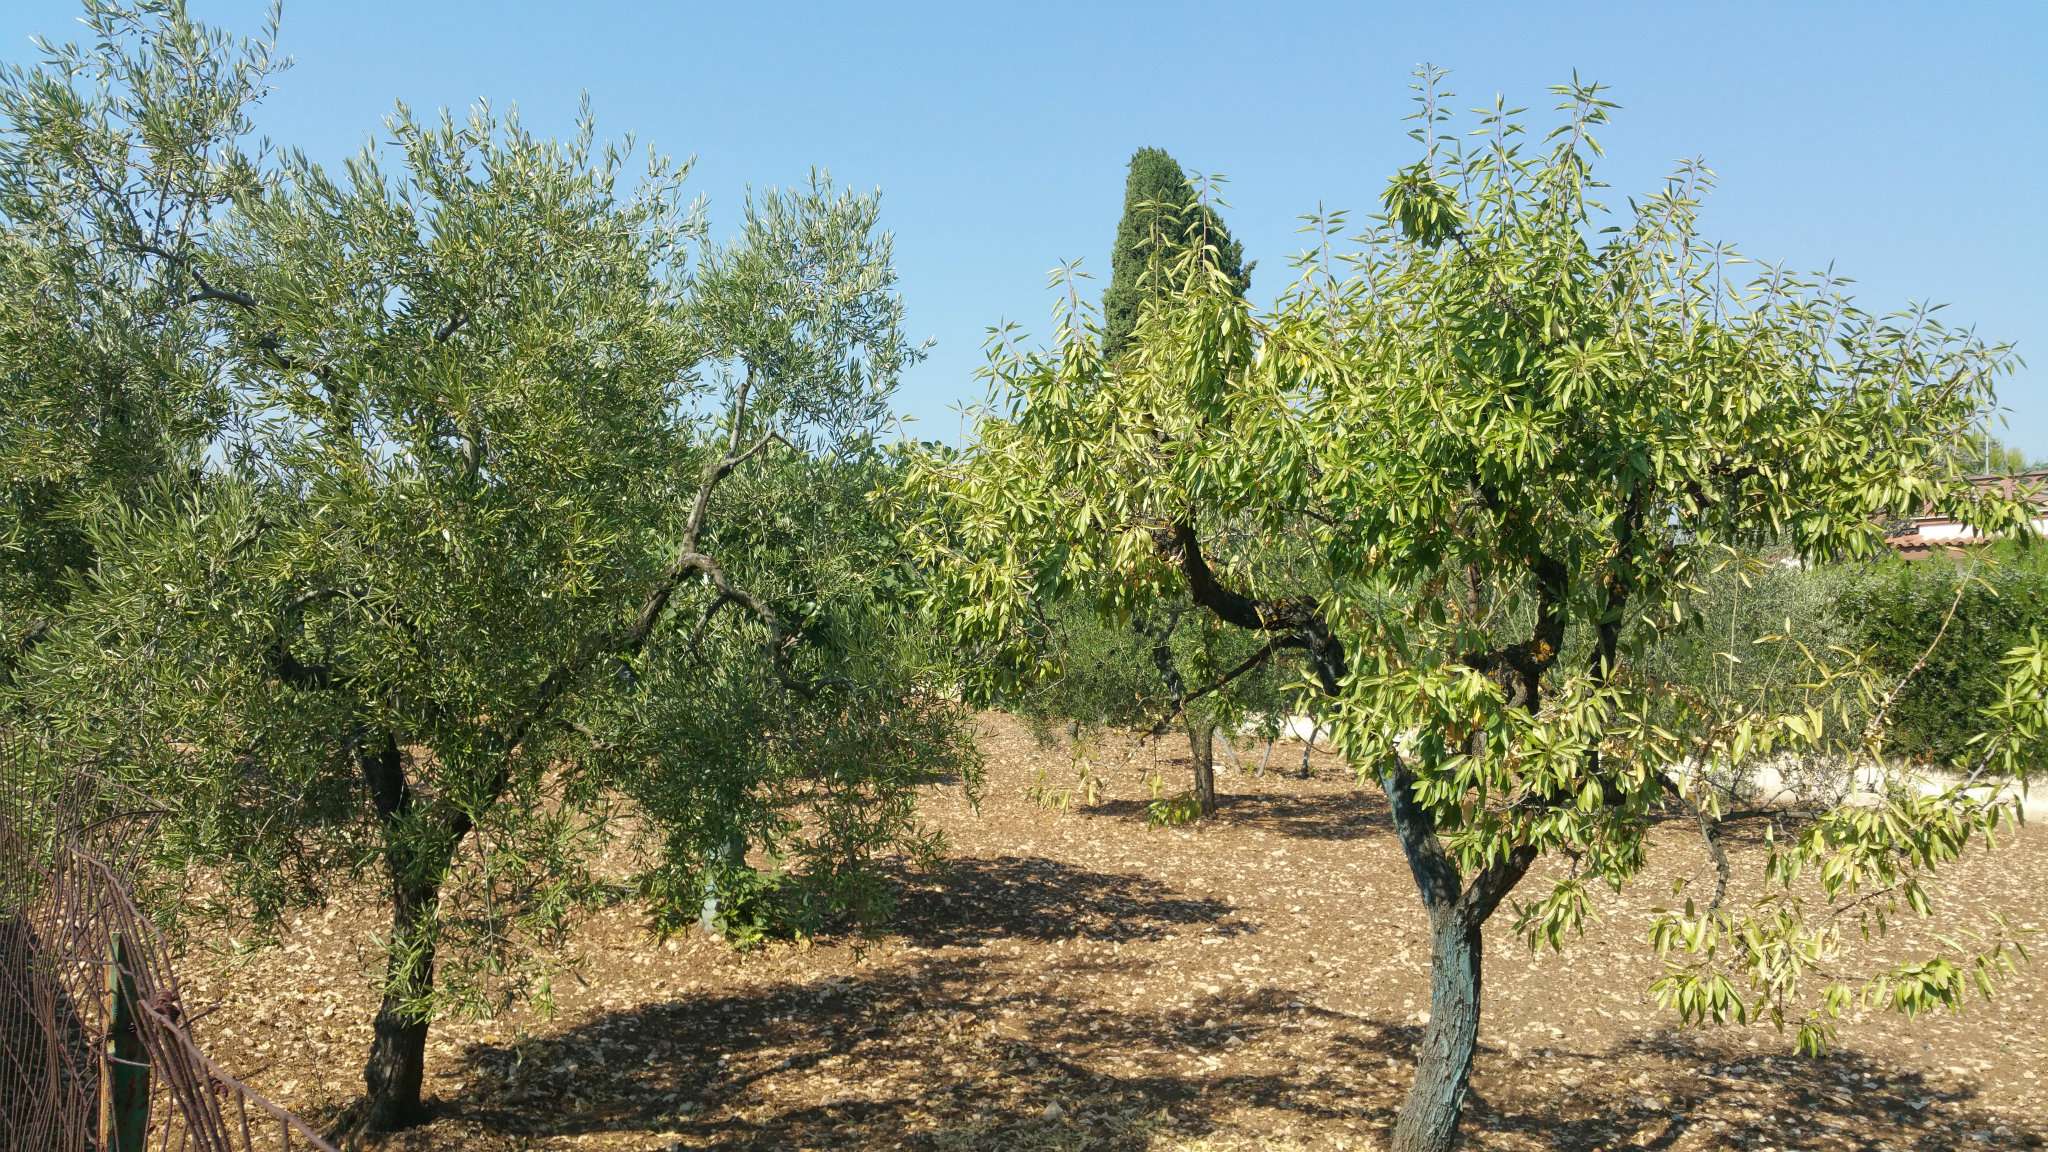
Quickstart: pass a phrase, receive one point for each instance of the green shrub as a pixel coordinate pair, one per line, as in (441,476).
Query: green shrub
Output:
(1898,609)
(1748,616)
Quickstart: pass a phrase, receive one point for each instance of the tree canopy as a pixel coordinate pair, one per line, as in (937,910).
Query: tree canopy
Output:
(525,502)
(114,164)
(1464,475)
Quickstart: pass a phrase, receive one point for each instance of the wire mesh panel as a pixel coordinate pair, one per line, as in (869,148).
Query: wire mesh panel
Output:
(96,1052)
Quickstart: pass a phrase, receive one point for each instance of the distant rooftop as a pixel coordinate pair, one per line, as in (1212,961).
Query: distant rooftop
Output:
(1924,536)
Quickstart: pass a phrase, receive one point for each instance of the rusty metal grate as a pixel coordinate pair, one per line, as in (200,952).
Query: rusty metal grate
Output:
(82,1067)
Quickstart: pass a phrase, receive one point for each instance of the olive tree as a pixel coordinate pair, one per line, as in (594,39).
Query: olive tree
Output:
(117,157)
(1464,476)
(494,499)
(769,786)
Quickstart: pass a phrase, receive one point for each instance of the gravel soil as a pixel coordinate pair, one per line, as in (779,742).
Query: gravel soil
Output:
(1075,979)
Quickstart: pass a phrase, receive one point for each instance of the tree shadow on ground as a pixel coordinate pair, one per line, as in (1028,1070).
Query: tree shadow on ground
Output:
(1693,1090)
(1352,815)
(958,1047)
(975,900)
(1024,1024)
(948,1053)
(1751,828)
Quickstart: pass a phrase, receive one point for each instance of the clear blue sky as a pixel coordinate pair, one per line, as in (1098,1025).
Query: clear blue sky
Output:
(1906,143)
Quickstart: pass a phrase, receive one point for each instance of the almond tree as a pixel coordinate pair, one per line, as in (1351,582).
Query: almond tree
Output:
(1463,476)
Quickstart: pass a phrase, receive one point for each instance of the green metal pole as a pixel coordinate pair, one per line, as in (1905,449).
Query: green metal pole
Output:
(124,1068)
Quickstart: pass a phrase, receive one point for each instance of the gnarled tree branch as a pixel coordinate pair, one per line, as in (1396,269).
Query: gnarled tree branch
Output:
(1297,617)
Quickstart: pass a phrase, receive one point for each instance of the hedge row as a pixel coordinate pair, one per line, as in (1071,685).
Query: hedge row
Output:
(1896,610)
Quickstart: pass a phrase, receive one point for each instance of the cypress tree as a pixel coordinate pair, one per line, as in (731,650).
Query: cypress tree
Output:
(1160,219)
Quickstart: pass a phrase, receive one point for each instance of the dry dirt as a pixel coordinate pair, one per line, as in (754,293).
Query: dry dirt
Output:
(1077,980)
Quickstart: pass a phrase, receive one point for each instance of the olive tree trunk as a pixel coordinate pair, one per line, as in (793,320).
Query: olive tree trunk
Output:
(398,1042)
(419,846)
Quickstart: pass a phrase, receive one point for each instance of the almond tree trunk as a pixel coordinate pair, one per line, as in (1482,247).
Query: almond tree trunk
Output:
(1458,910)
(1443,1062)
(1202,744)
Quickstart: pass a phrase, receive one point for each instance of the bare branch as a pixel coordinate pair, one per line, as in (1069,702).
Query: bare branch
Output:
(207,291)
(1873,731)
(1709,829)
(1250,663)
(472,451)
(719,469)
(732,462)
(704,622)
(1298,617)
